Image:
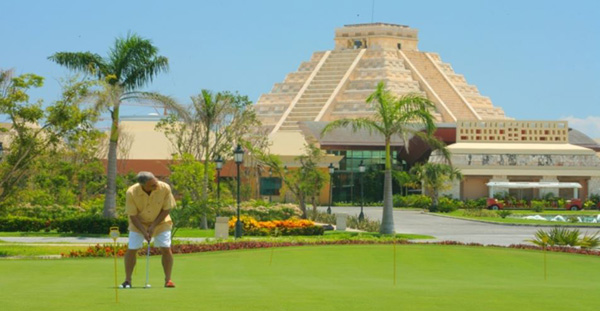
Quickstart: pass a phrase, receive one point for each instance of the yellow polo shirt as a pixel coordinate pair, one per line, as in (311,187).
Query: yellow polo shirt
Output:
(147,207)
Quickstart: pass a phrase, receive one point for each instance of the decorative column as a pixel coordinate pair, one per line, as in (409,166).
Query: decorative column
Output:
(545,191)
(594,186)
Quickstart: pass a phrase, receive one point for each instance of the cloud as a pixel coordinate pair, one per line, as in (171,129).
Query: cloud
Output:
(589,126)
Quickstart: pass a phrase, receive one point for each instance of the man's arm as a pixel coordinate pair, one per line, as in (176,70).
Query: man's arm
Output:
(161,216)
(135,220)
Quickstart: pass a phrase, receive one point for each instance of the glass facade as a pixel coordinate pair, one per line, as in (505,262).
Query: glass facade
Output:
(346,179)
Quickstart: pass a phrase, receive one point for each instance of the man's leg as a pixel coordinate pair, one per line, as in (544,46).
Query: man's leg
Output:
(130,260)
(136,240)
(167,262)
(163,240)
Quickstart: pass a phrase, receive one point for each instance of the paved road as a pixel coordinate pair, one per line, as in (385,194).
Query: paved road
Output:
(444,228)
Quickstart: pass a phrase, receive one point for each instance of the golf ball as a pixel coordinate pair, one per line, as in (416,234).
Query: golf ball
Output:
(148,285)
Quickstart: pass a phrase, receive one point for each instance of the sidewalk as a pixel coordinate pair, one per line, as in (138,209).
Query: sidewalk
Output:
(79,240)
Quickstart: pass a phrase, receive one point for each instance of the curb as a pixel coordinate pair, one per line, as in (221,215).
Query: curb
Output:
(513,225)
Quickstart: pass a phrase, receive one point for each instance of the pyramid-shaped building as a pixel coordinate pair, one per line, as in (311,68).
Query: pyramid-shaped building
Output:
(486,145)
(335,84)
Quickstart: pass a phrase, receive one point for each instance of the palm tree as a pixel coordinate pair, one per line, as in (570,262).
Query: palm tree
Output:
(434,177)
(405,116)
(131,64)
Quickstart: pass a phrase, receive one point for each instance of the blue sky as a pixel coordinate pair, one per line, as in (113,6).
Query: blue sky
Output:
(539,60)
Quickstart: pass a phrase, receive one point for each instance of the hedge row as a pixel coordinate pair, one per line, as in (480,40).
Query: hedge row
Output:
(88,224)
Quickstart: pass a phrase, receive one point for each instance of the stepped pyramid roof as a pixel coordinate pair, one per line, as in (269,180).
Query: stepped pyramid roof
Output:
(334,84)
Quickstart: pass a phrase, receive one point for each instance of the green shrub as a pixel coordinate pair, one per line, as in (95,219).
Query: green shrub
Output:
(478,203)
(365,225)
(416,200)
(504,213)
(89,224)
(479,213)
(21,223)
(45,212)
(538,206)
(447,205)
(264,213)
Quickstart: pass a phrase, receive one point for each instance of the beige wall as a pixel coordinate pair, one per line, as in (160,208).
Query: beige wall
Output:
(474,187)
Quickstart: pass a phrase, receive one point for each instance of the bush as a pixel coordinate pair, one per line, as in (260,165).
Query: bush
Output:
(365,225)
(447,205)
(21,223)
(416,200)
(504,213)
(89,224)
(264,213)
(480,213)
(478,203)
(538,206)
(45,212)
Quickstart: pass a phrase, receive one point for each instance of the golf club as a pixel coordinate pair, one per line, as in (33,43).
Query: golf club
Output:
(147,266)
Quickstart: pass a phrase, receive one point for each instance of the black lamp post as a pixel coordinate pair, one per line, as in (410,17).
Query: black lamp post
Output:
(270,193)
(285,171)
(331,170)
(361,169)
(219,162)
(239,158)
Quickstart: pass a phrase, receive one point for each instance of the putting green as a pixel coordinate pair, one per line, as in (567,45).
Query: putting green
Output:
(355,277)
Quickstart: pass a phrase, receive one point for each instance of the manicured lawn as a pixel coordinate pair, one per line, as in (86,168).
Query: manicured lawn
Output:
(509,220)
(11,249)
(358,277)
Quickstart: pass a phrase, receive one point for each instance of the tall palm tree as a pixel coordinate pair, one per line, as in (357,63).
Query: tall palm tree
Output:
(131,64)
(405,116)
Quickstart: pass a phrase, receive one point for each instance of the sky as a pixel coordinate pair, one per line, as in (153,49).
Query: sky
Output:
(538,60)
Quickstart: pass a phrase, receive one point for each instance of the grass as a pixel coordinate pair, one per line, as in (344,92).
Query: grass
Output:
(11,249)
(358,277)
(509,220)
(182,233)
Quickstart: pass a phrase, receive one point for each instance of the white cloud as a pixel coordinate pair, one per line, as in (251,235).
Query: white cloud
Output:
(589,126)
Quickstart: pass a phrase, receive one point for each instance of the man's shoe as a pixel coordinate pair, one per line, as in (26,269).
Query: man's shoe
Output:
(170,284)
(126,284)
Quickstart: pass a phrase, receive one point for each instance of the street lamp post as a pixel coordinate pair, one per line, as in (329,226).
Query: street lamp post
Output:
(331,170)
(270,193)
(239,158)
(361,169)
(219,162)
(285,171)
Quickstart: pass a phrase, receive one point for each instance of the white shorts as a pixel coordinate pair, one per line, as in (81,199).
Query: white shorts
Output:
(136,240)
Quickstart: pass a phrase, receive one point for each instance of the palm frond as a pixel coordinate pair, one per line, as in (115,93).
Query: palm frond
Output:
(86,62)
(355,124)
(156,99)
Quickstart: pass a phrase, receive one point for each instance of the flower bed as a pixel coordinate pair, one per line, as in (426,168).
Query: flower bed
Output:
(290,226)
(106,250)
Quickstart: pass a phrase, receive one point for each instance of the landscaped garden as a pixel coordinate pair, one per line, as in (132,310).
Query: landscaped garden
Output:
(351,277)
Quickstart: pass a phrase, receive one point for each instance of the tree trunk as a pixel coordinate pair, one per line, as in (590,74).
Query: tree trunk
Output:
(110,197)
(302,205)
(387,220)
(434,201)
(204,222)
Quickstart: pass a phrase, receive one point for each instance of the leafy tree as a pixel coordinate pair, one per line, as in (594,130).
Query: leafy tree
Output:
(305,182)
(209,128)
(406,116)
(435,177)
(187,180)
(131,64)
(37,133)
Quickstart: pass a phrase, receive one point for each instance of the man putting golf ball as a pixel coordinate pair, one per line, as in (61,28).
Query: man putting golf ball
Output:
(148,204)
